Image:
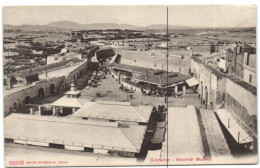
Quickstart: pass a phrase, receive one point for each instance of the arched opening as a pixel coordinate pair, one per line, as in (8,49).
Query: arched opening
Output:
(250,78)
(81,73)
(201,92)
(27,100)
(15,106)
(41,93)
(210,62)
(52,89)
(206,96)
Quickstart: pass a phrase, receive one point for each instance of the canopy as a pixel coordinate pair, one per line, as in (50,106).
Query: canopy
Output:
(192,82)
(237,132)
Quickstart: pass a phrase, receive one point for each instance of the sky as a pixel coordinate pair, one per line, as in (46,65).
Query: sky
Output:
(181,15)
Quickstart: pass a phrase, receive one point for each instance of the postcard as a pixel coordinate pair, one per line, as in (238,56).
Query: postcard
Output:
(129,85)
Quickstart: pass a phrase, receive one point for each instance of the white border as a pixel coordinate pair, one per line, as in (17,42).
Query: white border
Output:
(111,2)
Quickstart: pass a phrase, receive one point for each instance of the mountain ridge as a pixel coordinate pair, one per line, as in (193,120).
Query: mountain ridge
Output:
(66,24)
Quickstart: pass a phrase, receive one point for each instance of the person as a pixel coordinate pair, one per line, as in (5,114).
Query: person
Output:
(144,93)
(98,93)
(165,99)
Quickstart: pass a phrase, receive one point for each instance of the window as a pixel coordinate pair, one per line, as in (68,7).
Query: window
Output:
(247,61)
(250,78)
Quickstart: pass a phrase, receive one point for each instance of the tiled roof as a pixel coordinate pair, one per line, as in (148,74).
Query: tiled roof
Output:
(158,77)
(130,68)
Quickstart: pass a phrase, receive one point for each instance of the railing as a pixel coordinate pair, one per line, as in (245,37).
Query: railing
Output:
(76,144)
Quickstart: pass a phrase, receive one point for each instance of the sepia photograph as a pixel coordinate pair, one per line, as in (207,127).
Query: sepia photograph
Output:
(123,85)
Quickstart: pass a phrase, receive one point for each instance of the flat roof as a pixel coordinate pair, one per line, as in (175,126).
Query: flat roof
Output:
(72,131)
(114,111)
(43,68)
(61,72)
(57,73)
(184,142)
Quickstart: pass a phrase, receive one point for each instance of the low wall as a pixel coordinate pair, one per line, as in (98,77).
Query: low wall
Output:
(16,99)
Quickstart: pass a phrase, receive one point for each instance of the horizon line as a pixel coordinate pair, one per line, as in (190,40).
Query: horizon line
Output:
(129,24)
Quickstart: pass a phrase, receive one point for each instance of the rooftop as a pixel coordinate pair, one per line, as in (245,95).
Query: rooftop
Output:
(242,83)
(71,131)
(186,119)
(215,71)
(73,92)
(197,59)
(70,102)
(45,67)
(233,78)
(244,45)
(120,111)
(57,73)
(158,77)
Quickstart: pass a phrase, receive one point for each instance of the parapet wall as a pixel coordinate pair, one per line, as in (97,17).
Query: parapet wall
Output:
(18,99)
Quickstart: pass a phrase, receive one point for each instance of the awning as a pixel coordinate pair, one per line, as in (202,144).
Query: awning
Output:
(192,82)
(237,132)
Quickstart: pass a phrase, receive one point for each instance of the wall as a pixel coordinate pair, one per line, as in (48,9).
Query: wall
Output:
(195,69)
(239,101)
(210,82)
(222,64)
(205,86)
(156,59)
(239,65)
(31,90)
(242,103)
(250,71)
(202,48)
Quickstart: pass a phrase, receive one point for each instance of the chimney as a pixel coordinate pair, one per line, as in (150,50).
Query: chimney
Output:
(246,58)
(73,86)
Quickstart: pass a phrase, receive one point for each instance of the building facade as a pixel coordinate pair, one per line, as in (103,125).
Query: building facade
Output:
(226,91)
